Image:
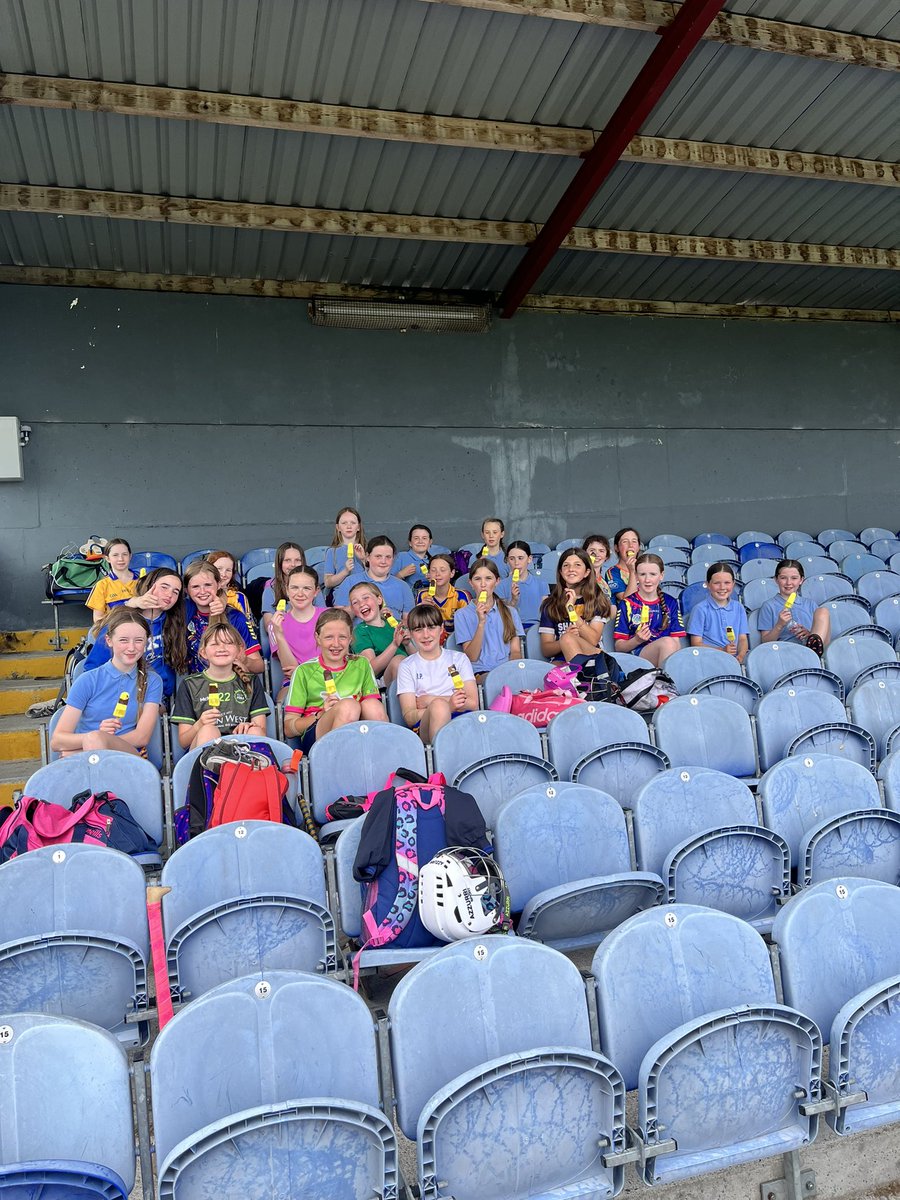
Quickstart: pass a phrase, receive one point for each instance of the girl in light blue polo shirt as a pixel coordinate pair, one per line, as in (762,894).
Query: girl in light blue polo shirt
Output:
(720,621)
(487,630)
(115,707)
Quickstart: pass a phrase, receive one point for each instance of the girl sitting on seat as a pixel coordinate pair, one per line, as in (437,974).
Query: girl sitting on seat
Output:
(720,621)
(224,698)
(573,615)
(649,622)
(487,629)
(433,685)
(787,619)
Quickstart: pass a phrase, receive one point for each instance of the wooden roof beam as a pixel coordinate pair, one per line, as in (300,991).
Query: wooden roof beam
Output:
(732,29)
(289,289)
(301,116)
(233,214)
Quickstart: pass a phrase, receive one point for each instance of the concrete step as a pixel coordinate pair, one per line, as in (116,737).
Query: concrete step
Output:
(23,641)
(13,775)
(17,695)
(32,665)
(20,738)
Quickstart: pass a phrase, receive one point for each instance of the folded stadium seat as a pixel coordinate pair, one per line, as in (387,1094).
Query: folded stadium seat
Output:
(246,897)
(65,1096)
(496,1079)
(878,585)
(269,1086)
(827,536)
(688,1014)
(855,566)
(706,731)
(533,649)
(193,556)
(711,539)
(839,958)
(673,556)
(753,633)
(889,772)
(894,562)
(691,596)
(706,671)
(155,748)
(181,773)
(802,549)
(673,588)
(887,616)
(758,568)
(549,563)
(785,714)
(829,812)
(357,759)
(632,662)
(149,560)
(823,586)
(754,551)
(605,747)
(564,853)
(260,570)
(392,706)
(788,664)
(132,779)
(315,556)
(856,659)
(492,756)
(696,573)
(710,552)
(519,674)
(885,548)
(271,719)
(752,535)
(758,591)
(678,573)
(793,535)
(671,540)
(875,533)
(841,547)
(561,547)
(75,941)
(846,616)
(261,556)
(700,831)
(875,705)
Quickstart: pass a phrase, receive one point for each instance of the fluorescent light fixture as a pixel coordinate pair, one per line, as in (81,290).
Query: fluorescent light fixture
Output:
(401,315)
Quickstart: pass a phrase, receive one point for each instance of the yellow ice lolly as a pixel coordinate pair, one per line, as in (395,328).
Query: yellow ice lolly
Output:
(424,569)
(214,699)
(484,552)
(432,589)
(573,615)
(391,620)
(122,706)
(142,572)
(456,677)
(645,615)
(482,597)
(729,635)
(281,606)
(789,603)
(517,575)
(351,550)
(330,685)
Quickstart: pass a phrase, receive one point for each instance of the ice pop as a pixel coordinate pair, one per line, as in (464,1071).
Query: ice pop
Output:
(729,635)
(517,575)
(281,606)
(645,615)
(214,698)
(351,550)
(456,677)
(484,552)
(391,620)
(789,603)
(482,597)
(121,707)
(330,685)
(432,589)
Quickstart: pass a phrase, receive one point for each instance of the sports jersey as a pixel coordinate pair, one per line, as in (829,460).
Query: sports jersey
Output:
(306,695)
(431,676)
(107,591)
(802,612)
(709,620)
(196,626)
(630,618)
(615,582)
(336,561)
(531,594)
(407,558)
(396,592)
(96,693)
(237,702)
(153,655)
(494,650)
(376,638)
(449,607)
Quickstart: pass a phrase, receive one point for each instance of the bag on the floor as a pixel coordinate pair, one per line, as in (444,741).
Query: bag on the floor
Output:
(597,678)
(98,820)
(233,781)
(645,691)
(407,824)
(539,708)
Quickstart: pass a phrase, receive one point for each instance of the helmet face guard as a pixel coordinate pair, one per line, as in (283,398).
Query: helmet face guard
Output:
(462,894)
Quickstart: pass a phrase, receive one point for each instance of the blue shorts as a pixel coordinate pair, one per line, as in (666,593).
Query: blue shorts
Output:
(308,737)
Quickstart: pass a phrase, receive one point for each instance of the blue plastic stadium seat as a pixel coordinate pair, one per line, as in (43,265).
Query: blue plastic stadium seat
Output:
(688,1014)
(758,568)
(874,533)
(155,749)
(262,555)
(519,674)
(829,812)
(877,585)
(563,850)
(752,551)
(855,566)
(65,1097)
(673,556)
(246,897)
(887,615)
(885,548)
(854,659)
(493,1087)
(357,759)
(758,591)
(132,779)
(793,535)
(492,756)
(840,548)
(707,731)
(752,535)
(875,705)
(786,664)
(787,712)
(889,774)
(269,1086)
(691,596)
(711,539)
(801,549)
(710,552)
(74,939)
(840,964)
(149,560)
(818,565)
(672,540)
(706,671)
(846,616)
(193,555)
(821,587)
(605,747)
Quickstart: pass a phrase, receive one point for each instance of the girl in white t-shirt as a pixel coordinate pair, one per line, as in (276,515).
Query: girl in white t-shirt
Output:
(433,685)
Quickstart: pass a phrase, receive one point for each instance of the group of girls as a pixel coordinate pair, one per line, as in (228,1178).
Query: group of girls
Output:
(389,618)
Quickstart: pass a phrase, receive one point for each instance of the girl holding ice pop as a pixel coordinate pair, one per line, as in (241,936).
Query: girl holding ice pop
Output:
(720,621)
(789,617)
(596,547)
(621,578)
(378,636)
(522,589)
(440,592)
(292,632)
(224,697)
(573,615)
(347,554)
(433,685)
(649,623)
(488,630)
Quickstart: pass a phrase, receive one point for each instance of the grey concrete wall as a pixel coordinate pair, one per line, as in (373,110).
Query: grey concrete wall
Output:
(182,421)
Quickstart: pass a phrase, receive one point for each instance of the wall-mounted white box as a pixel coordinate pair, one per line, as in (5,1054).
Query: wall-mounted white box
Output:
(10,449)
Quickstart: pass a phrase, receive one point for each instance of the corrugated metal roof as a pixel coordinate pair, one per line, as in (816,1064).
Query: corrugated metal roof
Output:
(443,59)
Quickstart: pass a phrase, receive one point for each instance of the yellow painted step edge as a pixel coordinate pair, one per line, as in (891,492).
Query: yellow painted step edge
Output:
(31,666)
(16,701)
(19,743)
(25,641)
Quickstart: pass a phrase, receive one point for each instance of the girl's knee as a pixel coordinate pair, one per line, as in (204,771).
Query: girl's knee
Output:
(373,710)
